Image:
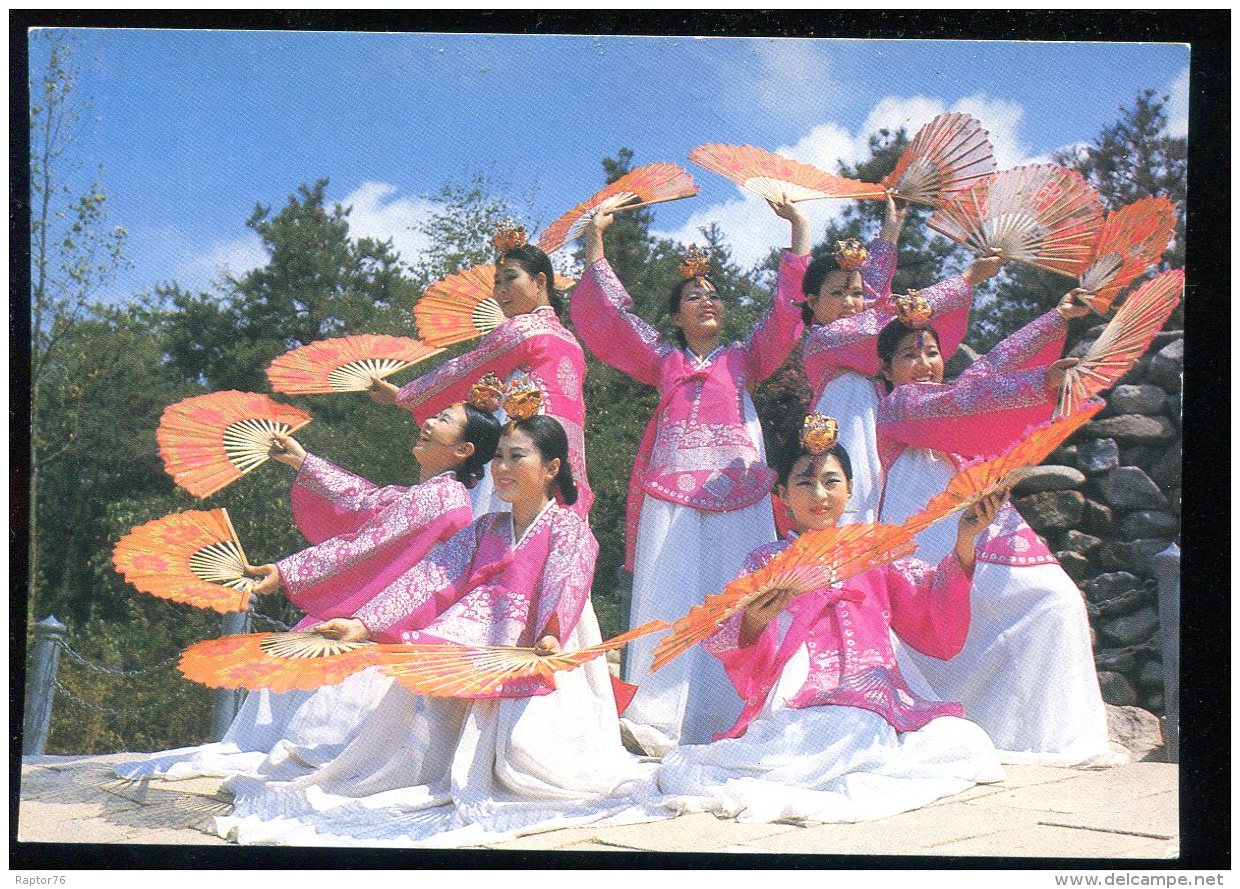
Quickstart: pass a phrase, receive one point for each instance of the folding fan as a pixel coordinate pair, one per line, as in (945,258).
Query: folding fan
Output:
(460,307)
(344,364)
(985,477)
(1132,239)
(815,559)
(1043,215)
(774,177)
(651,184)
(1123,340)
(299,660)
(461,671)
(949,152)
(209,441)
(192,557)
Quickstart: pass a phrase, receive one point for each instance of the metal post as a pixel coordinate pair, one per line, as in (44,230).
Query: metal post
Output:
(228,700)
(1167,570)
(41,691)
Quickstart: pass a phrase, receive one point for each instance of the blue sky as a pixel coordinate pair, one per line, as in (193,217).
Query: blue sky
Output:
(192,128)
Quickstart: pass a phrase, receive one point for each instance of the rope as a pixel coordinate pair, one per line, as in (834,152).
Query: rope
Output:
(59,686)
(116,671)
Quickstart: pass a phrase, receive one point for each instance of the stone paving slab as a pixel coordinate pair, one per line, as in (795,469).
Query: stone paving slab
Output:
(1128,812)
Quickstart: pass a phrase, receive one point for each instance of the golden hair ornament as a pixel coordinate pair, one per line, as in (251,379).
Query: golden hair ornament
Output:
(508,236)
(850,254)
(522,399)
(913,310)
(819,433)
(487,394)
(695,264)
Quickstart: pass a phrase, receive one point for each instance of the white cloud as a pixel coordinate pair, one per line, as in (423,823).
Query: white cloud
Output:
(1177,107)
(378,213)
(235,257)
(751,229)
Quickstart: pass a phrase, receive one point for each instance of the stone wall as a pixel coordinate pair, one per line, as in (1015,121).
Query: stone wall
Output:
(1107,502)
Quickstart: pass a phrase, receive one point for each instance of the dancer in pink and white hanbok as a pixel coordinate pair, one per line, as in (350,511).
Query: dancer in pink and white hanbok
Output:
(700,492)
(1027,672)
(830,730)
(445,772)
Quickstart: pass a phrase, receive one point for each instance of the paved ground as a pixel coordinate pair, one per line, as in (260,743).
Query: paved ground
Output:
(1127,812)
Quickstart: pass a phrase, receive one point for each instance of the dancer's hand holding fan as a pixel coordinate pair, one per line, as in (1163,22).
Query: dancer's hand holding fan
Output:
(209,441)
(814,560)
(1123,341)
(651,184)
(1132,239)
(192,557)
(1043,215)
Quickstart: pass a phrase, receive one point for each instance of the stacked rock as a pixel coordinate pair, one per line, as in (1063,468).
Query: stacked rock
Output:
(1107,502)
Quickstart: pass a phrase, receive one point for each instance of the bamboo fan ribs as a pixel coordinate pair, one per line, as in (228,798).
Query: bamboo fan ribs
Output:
(947,154)
(459,671)
(1123,341)
(209,441)
(651,184)
(815,559)
(775,177)
(1042,215)
(1132,239)
(460,307)
(192,557)
(345,364)
(299,660)
(982,478)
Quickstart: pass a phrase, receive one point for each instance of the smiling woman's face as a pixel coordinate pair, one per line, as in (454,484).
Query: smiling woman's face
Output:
(701,310)
(516,292)
(817,492)
(519,472)
(840,296)
(917,359)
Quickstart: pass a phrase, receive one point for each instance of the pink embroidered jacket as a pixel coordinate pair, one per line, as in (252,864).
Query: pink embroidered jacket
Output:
(481,589)
(846,632)
(537,345)
(848,343)
(696,450)
(365,536)
(982,413)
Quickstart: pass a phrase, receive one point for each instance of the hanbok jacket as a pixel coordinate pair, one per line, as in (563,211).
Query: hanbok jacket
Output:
(365,536)
(846,629)
(537,345)
(696,450)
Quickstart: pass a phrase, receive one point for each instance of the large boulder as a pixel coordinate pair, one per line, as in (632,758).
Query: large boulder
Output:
(1167,365)
(1128,487)
(1133,428)
(1097,455)
(1137,731)
(1144,399)
(1131,555)
(1048,478)
(1131,629)
(1147,523)
(1116,689)
(1052,510)
(1166,472)
(1108,586)
(1098,519)
(1078,542)
(1074,565)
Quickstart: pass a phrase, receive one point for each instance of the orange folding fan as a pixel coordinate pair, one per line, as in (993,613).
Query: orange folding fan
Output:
(460,307)
(1132,239)
(1124,339)
(345,364)
(774,177)
(209,441)
(192,557)
(299,660)
(651,184)
(985,477)
(815,559)
(463,671)
(946,155)
(1043,215)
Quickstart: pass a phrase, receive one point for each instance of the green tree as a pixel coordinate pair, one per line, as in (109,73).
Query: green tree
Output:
(73,253)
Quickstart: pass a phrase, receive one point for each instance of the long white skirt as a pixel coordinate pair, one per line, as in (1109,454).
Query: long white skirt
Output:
(315,725)
(831,763)
(852,399)
(432,772)
(1026,674)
